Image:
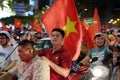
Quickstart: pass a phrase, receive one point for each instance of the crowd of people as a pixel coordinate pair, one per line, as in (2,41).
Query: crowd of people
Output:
(21,61)
(106,53)
(28,64)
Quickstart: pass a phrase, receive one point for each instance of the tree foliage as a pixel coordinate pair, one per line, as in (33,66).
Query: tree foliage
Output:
(24,19)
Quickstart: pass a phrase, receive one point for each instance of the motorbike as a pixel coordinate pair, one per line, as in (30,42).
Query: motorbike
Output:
(79,74)
(98,72)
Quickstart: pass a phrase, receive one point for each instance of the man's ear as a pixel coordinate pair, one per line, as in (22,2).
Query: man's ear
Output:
(30,50)
(8,39)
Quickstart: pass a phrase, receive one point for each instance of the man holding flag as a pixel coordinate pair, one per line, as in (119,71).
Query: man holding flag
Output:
(57,57)
(63,15)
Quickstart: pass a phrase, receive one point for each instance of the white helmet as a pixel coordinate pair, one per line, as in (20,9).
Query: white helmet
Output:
(5,33)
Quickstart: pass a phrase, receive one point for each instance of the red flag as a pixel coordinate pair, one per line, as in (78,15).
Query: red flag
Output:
(18,23)
(4,27)
(32,26)
(63,14)
(38,28)
(95,27)
(96,20)
(87,40)
(85,24)
(106,27)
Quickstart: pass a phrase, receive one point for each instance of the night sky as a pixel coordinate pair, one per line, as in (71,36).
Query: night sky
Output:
(107,9)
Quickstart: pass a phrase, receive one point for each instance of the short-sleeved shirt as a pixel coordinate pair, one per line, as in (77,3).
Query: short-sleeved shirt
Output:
(35,70)
(60,57)
(100,53)
(4,52)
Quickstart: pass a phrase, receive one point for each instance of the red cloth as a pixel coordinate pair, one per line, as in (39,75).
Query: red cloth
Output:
(96,20)
(87,39)
(18,23)
(106,27)
(36,26)
(85,24)
(63,14)
(32,26)
(4,27)
(60,57)
(95,27)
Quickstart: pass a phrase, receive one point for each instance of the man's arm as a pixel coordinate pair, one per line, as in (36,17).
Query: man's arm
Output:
(13,63)
(85,60)
(6,76)
(60,70)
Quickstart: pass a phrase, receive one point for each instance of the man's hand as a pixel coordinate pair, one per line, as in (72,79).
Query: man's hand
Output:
(4,69)
(45,59)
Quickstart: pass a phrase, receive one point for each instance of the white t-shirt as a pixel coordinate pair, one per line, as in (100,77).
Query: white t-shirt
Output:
(35,70)
(4,52)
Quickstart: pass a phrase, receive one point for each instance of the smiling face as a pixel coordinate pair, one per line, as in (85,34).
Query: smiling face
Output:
(3,40)
(99,41)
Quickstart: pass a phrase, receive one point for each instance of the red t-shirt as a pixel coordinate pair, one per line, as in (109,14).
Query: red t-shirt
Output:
(59,57)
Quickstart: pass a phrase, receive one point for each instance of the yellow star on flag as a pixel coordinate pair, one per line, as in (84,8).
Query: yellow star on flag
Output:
(70,27)
(18,23)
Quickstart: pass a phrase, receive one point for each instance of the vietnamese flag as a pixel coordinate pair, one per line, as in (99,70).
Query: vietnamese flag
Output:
(106,27)
(18,23)
(63,14)
(95,27)
(32,26)
(4,27)
(38,28)
(96,20)
(87,40)
(85,24)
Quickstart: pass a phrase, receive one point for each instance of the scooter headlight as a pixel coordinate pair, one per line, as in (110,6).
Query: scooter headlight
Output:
(97,72)
(100,71)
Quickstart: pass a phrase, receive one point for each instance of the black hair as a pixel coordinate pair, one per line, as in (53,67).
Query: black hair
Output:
(4,35)
(21,34)
(26,43)
(98,35)
(59,30)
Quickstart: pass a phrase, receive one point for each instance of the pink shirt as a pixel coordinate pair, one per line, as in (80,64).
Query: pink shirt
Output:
(36,70)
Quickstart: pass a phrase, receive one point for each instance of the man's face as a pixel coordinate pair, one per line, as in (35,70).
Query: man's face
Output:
(99,41)
(25,53)
(3,40)
(56,38)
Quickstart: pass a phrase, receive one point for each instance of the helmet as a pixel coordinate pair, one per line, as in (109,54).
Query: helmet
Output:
(115,45)
(5,33)
(112,37)
(98,35)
